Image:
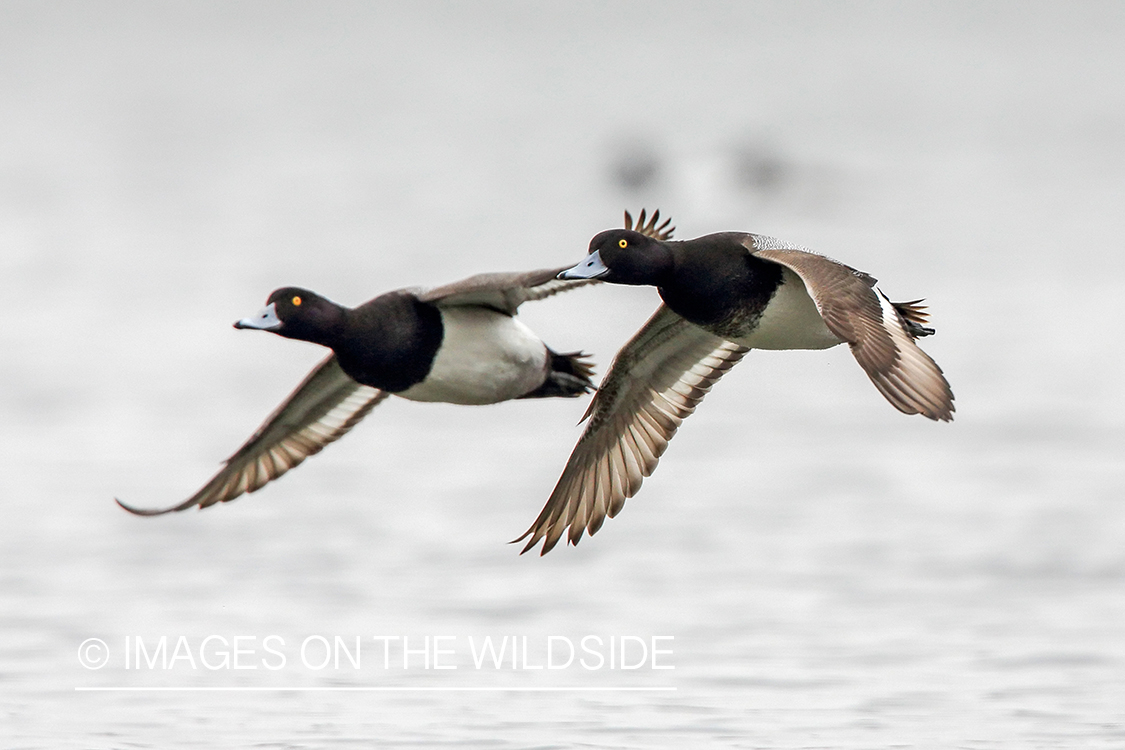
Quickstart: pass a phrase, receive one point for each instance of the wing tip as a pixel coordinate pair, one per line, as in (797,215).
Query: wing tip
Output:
(149,511)
(540,536)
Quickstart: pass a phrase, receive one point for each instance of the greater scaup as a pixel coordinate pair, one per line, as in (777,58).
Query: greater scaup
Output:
(723,294)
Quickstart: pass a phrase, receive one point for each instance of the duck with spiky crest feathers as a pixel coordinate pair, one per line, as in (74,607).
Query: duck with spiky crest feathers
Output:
(723,294)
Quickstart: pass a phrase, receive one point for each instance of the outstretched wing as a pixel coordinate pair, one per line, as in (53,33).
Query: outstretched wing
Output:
(321,410)
(880,333)
(655,382)
(503,292)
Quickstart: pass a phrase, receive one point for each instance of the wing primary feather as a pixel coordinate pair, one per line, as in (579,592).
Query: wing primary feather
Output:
(655,382)
(322,409)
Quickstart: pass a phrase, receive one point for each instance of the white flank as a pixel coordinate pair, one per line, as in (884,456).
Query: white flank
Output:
(485,357)
(791,321)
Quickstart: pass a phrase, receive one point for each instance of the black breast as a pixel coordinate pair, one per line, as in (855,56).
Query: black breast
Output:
(718,285)
(390,342)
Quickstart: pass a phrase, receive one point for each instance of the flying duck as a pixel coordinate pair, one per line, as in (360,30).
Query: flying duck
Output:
(723,294)
(459,344)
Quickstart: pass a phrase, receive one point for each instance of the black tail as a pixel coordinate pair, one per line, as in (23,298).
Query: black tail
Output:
(569,376)
(914,318)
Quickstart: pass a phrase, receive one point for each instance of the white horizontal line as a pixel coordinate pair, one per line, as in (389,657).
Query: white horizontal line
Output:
(369,689)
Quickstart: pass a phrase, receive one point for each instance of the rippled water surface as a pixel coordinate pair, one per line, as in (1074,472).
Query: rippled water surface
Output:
(807,569)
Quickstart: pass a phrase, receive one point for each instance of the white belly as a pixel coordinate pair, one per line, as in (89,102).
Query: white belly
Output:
(791,321)
(485,357)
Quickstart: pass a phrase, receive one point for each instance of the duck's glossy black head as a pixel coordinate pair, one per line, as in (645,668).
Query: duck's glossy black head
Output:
(622,256)
(297,314)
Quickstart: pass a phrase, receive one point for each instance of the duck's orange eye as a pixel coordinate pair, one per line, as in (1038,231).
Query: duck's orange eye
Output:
(296,301)
(623,243)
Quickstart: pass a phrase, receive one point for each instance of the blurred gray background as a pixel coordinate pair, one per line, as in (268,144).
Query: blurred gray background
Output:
(834,574)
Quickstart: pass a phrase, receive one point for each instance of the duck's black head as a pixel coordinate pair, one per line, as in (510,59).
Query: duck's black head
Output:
(297,314)
(622,256)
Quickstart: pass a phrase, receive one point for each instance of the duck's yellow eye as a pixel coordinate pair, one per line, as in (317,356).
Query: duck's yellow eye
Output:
(296,301)
(623,243)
